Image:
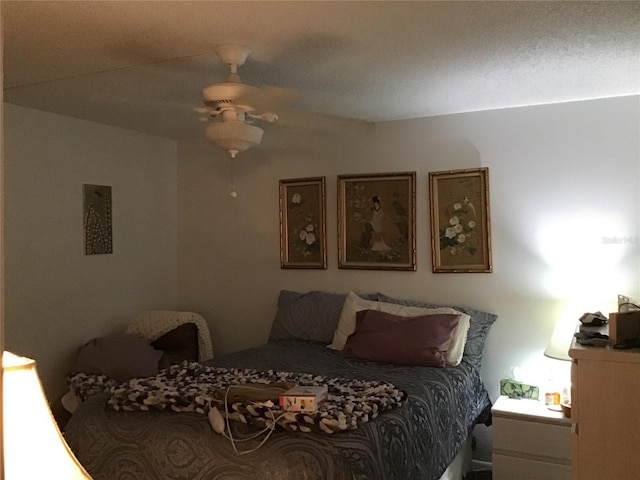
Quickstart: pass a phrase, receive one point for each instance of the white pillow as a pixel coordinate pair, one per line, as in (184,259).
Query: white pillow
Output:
(353,304)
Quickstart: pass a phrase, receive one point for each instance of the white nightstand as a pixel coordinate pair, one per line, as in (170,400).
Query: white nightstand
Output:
(530,442)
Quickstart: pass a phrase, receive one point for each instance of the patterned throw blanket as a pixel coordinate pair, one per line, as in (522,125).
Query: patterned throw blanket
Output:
(193,387)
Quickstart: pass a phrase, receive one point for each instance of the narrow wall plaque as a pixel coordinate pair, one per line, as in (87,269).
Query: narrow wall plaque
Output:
(98,235)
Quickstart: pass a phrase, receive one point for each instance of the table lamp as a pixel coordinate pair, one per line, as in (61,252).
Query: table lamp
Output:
(33,446)
(560,342)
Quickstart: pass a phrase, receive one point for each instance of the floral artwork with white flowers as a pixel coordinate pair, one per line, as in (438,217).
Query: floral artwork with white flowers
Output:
(302,223)
(460,221)
(457,236)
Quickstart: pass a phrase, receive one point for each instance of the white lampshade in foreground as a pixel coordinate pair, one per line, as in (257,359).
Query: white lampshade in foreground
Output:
(33,445)
(234,136)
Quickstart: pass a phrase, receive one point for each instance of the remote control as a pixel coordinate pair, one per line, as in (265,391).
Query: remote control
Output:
(216,420)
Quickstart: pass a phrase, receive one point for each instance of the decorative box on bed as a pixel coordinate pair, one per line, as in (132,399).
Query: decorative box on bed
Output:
(416,438)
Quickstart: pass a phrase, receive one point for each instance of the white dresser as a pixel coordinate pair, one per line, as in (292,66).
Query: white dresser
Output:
(530,442)
(605,400)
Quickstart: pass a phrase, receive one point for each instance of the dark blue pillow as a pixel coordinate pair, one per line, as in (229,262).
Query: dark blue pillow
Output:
(308,316)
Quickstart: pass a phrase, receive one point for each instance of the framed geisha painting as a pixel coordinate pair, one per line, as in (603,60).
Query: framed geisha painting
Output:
(377,221)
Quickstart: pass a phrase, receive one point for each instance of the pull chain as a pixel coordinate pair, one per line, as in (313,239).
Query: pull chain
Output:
(232,186)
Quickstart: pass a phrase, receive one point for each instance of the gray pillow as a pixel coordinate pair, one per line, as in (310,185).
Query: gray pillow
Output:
(307,316)
(480,324)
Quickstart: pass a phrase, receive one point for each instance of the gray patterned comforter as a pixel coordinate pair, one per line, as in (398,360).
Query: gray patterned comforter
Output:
(415,441)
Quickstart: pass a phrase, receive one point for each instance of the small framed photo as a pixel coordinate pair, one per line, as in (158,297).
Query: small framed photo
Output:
(460,221)
(303,242)
(377,221)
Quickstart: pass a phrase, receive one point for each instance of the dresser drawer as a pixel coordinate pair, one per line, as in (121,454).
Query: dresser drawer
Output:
(528,439)
(516,468)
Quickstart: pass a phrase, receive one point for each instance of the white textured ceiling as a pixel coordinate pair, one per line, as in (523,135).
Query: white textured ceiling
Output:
(141,65)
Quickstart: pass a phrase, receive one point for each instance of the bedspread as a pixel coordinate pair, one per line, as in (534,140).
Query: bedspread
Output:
(415,441)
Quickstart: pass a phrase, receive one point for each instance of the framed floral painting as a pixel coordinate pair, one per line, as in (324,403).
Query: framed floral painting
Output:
(460,221)
(377,221)
(303,223)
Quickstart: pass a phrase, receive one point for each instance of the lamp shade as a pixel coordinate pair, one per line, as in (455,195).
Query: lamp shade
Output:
(234,136)
(560,341)
(33,445)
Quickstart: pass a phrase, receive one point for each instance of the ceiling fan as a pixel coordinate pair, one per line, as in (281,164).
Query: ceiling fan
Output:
(230,106)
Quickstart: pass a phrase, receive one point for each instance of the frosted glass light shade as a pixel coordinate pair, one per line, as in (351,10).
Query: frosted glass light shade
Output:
(560,341)
(234,136)
(33,445)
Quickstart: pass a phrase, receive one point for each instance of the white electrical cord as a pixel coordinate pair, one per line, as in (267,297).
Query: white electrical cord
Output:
(270,428)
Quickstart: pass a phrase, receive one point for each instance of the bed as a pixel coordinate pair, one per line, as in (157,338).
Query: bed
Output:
(417,437)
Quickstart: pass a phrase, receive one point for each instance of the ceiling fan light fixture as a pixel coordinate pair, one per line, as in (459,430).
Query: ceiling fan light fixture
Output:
(233,136)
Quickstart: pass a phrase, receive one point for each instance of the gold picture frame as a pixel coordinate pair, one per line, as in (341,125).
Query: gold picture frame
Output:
(460,221)
(303,238)
(377,221)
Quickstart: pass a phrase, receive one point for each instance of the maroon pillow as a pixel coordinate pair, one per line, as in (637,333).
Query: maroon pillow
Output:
(383,337)
(178,345)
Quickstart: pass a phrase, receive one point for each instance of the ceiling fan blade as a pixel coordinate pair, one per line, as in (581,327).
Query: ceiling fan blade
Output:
(268,98)
(206,114)
(267,116)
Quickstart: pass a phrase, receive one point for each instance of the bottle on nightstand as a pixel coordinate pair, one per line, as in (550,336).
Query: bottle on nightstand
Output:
(552,395)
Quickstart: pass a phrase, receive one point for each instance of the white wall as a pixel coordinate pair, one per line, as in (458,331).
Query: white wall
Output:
(228,260)
(562,177)
(57,298)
